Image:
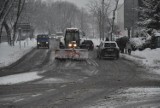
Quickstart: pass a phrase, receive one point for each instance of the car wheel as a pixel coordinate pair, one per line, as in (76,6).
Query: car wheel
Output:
(117,57)
(97,56)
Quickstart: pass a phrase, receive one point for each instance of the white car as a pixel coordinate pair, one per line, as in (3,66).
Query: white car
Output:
(108,49)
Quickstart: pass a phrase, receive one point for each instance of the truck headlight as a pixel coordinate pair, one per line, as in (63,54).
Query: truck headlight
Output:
(70,45)
(75,45)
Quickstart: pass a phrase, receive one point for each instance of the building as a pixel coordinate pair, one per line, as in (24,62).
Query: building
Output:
(127,16)
(120,19)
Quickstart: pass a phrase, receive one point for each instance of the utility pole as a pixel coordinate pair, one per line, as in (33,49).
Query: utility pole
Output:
(102,19)
(113,18)
(82,20)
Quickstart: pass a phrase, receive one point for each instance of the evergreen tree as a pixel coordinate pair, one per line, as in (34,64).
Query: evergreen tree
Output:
(149,14)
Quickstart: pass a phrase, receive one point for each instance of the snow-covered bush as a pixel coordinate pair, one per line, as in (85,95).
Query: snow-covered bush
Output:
(137,43)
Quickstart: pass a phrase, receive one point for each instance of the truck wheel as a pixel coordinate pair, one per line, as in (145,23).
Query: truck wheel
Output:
(100,57)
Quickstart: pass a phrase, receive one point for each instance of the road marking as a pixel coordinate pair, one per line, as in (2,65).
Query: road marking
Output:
(36,95)
(94,62)
(19,100)
(51,90)
(90,61)
(63,86)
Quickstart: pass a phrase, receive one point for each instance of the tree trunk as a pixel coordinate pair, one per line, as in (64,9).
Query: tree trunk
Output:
(8,31)
(1,27)
(19,11)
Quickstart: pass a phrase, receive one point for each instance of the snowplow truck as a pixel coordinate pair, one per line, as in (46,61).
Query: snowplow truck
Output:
(70,46)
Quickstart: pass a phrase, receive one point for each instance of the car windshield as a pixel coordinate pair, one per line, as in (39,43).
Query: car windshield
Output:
(113,45)
(42,36)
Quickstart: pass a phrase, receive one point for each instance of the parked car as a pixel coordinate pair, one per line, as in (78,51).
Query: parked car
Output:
(87,44)
(108,49)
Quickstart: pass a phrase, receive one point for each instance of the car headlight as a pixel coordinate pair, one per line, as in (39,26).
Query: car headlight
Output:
(38,43)
(46,42)
(70,45)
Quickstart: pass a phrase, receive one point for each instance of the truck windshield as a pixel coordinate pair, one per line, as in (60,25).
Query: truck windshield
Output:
(72,36)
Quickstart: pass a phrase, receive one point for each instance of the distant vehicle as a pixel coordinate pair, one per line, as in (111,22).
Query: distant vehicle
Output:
(59,35)
(87,44)
(108,49)
(42,41)
(52,36)
(70,46)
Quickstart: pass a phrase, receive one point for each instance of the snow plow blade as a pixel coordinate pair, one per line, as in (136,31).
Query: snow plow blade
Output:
(72,54)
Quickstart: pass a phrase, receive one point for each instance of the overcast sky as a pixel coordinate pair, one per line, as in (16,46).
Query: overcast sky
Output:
(83,3)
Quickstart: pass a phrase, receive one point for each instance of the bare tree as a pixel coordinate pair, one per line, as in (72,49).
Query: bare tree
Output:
(100,10)
(5,7)
(55,16)
(20,7)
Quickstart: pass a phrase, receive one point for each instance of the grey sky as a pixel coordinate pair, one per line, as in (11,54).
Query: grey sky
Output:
(83,3)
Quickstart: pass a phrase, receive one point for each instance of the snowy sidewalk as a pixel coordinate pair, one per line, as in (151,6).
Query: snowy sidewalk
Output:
(9,55)
(149,58)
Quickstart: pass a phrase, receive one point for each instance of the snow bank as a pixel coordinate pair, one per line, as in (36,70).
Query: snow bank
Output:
(149,58)
(125,98)
(9,54)
(157,34)
(19,78)
(137,41)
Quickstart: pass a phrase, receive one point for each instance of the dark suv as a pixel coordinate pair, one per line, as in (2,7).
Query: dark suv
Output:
(42,41)
(87,44)
(108,49)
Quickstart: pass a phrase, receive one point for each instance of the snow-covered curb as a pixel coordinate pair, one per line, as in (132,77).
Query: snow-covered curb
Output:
(19,78)
(9,55)
(148,58)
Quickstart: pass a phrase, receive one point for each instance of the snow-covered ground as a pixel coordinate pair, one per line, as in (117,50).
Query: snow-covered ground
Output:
(129,97)
(19,78)
(148,58)
(9,54)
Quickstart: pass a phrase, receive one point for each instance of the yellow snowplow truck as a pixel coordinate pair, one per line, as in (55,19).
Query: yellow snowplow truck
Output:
(70,46)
